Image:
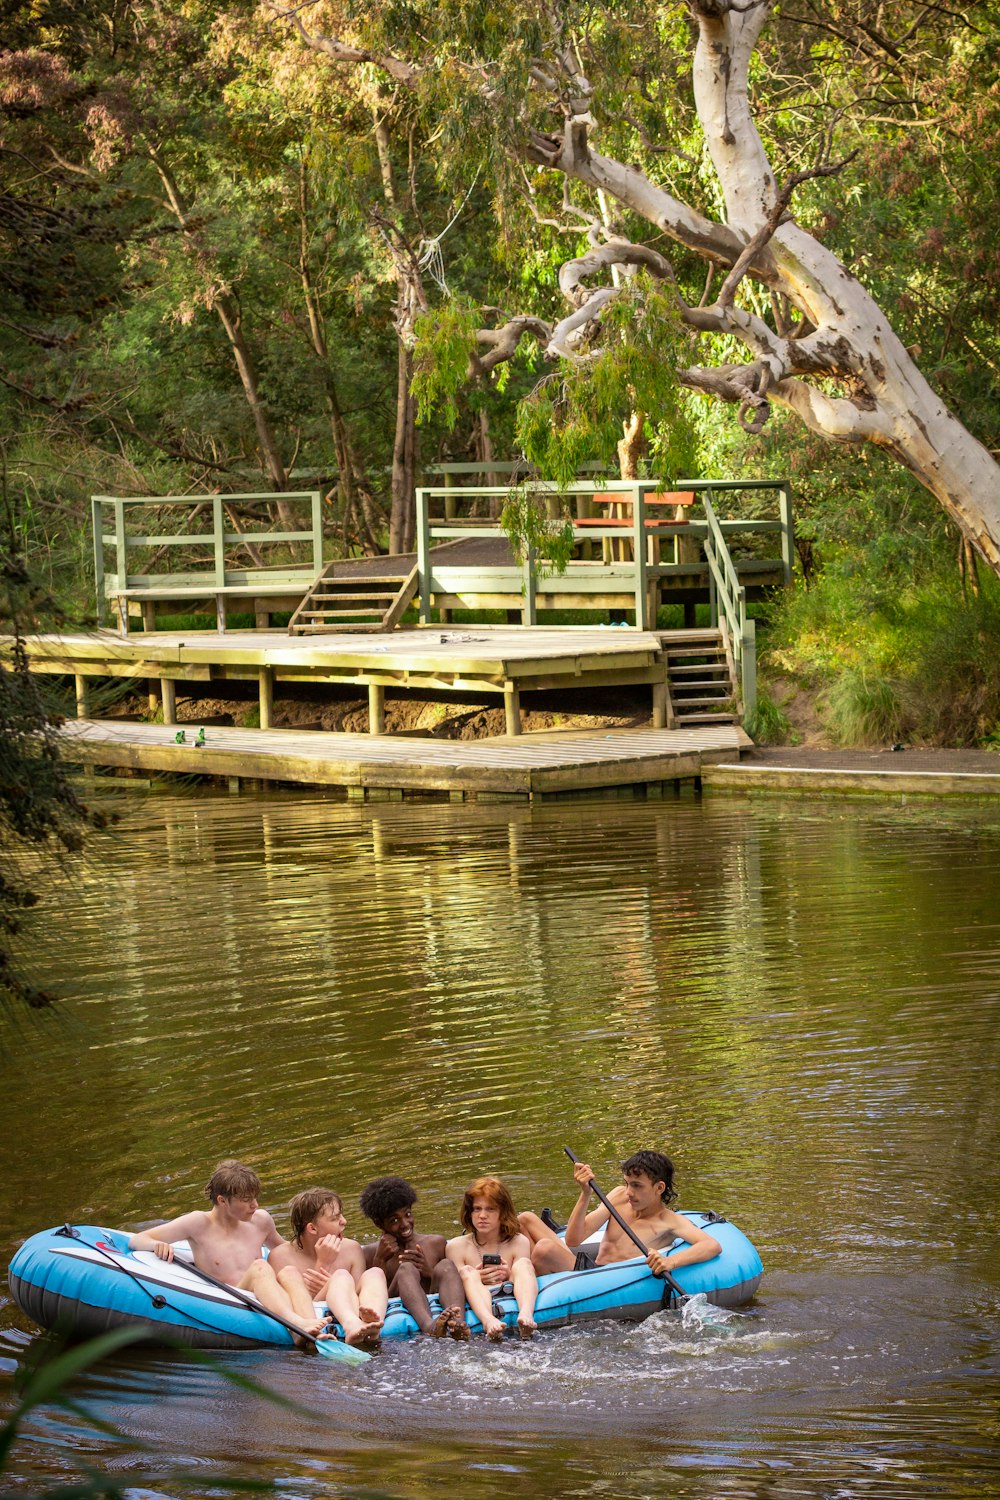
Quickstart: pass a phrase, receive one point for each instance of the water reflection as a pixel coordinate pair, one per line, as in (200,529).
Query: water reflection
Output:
(801,1003)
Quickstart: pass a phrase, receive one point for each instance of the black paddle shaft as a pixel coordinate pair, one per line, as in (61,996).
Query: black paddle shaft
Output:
(254,1306)
(223,1286)
(674,1286)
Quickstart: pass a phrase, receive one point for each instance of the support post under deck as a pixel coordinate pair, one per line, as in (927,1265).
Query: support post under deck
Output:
(266,690)
(512,708)
(376,708)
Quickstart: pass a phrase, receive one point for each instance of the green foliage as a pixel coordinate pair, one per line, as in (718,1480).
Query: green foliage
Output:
(39,809)
(863,708)
(532,532)
(767,724)
(895,659)
(46,1378)
(575,416)
(444,340)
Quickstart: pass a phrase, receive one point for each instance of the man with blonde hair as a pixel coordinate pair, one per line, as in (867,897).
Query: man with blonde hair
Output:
(227,1240)
(333,1267)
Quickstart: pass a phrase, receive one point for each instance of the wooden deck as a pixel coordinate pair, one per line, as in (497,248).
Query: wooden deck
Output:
(532,767)
(817,781)
(484,660)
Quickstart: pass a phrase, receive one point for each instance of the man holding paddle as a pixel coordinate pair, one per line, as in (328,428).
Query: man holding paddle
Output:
(636,1213)
(226,1243)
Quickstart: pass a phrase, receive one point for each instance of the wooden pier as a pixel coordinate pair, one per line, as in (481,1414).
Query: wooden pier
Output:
(483,661)
(533,767)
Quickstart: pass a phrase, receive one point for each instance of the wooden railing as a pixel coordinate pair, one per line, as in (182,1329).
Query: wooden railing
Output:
(631,575)
(218,571)
(727,599)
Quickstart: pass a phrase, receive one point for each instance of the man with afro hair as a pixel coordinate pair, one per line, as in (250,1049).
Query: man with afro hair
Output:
(414,1264)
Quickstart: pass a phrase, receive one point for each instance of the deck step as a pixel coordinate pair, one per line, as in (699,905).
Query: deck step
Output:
(684,720)
(681,704)
(700,685)
(700,666)
(348,601)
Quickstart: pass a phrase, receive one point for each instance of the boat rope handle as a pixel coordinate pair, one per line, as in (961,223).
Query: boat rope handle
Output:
(156,1299)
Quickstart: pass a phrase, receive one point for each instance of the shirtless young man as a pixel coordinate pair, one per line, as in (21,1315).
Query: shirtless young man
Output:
(332,1267)
(643,1202)
(227,1240)
(414,1264)
(491,1229)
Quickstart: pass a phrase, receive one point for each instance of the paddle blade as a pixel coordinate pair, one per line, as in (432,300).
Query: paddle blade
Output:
(345,1353)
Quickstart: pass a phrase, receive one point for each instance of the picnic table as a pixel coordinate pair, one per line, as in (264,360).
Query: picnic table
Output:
(620,509)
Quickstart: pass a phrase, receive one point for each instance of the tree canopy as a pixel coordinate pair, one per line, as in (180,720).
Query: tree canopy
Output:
(346,239)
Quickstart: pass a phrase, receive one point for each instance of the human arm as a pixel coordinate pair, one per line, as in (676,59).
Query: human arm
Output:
(384,1255)
(459,1250)
(422,1251)
(700,1247)
(581,1223)
(161,1240)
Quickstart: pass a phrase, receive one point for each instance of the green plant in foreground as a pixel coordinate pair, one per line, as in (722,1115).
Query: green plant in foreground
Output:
(767,724)
(46,1380)
(531,532)
(863,708)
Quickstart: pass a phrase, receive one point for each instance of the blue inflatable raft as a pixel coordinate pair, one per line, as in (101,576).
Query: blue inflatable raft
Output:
(84,1280)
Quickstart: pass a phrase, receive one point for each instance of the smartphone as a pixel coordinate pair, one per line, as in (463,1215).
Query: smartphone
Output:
(491,1260)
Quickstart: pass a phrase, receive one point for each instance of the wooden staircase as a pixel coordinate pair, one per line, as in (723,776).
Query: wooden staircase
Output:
(342,600)
(702,686)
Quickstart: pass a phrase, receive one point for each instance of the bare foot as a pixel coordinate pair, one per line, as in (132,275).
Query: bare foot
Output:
(368,1315)
(526,1329)
(494,1331)
(457,1326)
(442,1323)
(365,1336)
(312,1331)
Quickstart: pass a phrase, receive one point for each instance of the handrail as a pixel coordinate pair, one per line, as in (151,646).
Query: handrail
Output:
(725,589)
(217,537)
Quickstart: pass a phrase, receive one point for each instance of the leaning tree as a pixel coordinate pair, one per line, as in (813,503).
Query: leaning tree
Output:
(786,320)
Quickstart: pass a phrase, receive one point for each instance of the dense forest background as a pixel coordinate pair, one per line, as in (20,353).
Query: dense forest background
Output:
(233,257)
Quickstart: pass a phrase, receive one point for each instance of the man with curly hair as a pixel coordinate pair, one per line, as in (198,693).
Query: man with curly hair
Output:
(414,1264)
(643,1200)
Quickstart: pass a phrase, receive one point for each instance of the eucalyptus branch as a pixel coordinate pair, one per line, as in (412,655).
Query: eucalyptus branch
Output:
(766,231)
(503,342)
(403,72)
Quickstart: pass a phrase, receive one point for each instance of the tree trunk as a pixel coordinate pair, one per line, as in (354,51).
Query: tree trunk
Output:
(401,517)
(891,404)
(844,337)
(631,446)
(350,476)
(227,308)
(410,302)
(229,316)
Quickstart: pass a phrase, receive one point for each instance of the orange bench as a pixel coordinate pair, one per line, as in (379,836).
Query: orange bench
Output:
(680,500)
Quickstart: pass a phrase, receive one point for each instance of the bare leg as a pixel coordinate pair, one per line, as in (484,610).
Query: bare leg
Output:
(373,1295)
(532,1226)
(342,1300)
(407,1287)
(481,1302)
(552,1255)
(525,1291)
(272,1295)
(446,1280)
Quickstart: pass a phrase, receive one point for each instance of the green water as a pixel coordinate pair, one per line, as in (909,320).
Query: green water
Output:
(799,1002)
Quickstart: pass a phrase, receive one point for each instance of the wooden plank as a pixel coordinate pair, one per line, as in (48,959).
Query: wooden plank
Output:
(818,781)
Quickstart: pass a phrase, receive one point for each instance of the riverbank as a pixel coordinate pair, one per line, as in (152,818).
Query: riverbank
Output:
(777,770)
